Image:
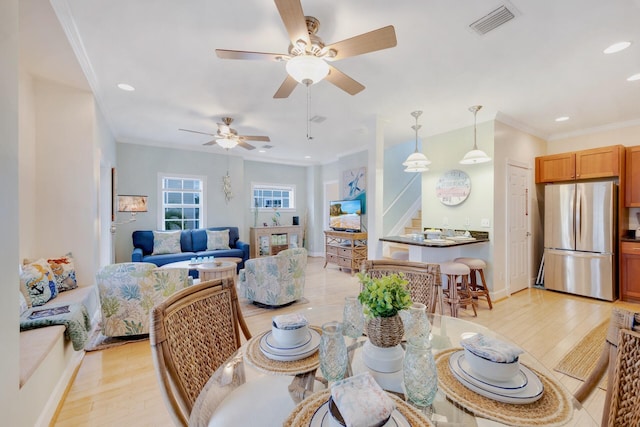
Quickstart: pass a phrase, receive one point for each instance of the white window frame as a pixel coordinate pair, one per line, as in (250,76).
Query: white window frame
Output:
(270,186)
(203,196)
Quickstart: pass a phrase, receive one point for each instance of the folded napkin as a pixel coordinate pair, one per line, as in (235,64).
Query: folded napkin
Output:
(491,348)
(361,401)
(290,321)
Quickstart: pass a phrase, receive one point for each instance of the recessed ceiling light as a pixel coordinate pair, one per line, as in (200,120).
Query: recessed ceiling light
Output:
(262,151)
(617,47)
(307,157)
(126,87)
(562,119)
(634,77)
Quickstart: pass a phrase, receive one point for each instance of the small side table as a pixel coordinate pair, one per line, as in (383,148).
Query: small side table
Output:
(209,270)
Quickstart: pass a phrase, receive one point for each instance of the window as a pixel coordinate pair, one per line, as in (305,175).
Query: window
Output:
(273,196)
(181,202)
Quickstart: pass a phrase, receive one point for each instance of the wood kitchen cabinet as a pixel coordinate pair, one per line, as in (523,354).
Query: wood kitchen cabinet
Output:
(632,190)
(601,162)
(630,271)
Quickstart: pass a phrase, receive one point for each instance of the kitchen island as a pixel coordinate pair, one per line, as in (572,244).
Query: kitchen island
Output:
(441,250)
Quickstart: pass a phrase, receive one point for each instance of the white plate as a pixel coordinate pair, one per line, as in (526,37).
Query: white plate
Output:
(273,344)
(292,354)
(514,385)
(530,393)
(322,418)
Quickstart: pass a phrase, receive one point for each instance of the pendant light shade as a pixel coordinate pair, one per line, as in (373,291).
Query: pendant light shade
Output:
(416,162)
(475,156)
(307,69)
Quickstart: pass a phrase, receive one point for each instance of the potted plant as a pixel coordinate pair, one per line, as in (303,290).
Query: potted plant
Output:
(382,299)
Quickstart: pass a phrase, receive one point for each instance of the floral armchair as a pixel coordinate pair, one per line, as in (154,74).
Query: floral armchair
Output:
(128,291)
(274,280)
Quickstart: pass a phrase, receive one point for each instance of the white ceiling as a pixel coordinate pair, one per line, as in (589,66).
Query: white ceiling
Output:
(545,63)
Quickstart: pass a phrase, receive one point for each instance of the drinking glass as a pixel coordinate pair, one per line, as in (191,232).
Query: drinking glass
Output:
(352,317)
(416,323)
(333,352)
(420,374)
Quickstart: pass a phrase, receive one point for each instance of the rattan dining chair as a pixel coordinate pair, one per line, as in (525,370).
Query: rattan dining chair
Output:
(424,278)
(192,333)
(619,359)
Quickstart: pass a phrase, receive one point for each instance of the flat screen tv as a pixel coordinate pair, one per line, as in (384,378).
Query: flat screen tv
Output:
(345,215)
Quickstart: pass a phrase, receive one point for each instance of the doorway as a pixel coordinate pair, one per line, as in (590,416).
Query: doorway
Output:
(518,223)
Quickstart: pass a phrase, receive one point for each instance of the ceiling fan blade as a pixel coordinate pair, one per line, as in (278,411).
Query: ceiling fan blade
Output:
(286,87)
(255,56)
(343,81)
(195,131)
(382,38)
(212,142)
(293,19)
(244,145)
(254,138)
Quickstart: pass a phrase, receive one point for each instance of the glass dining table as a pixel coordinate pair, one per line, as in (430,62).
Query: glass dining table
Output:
(249,389)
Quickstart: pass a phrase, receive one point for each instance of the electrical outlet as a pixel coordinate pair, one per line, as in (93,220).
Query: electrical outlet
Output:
(467,221)
(485,222)
(445,221)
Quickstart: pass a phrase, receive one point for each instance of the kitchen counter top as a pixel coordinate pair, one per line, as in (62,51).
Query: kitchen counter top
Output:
(629,239)
(408,239)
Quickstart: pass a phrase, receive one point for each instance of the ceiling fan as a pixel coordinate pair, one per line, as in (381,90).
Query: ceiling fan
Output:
(227,138)
(308,55)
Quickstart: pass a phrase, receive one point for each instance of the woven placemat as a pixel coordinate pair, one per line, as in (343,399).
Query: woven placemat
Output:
(554,408)
(303,412)
(256,358)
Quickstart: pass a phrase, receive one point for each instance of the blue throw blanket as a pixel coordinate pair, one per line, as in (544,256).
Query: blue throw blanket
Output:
(74,317)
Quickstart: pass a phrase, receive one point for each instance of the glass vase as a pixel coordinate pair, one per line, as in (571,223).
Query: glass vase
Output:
(333,352)
(416,323)
(420,374)
(353,317)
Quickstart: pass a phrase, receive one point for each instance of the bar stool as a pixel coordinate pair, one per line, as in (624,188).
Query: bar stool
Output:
(457,294)
(477,266)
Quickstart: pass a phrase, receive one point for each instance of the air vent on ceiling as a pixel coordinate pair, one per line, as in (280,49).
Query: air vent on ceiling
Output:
(267,146)
(317,119)
(492,20)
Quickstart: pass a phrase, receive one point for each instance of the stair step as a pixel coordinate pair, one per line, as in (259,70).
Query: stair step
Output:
(412,230)
(416,222)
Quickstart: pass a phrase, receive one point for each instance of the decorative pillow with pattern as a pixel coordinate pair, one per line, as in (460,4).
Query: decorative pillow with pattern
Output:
(166,242)
(39,281)
(64,271)
(217,239)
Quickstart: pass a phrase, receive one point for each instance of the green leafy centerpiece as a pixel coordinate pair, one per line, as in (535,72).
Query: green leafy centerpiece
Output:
(382,299)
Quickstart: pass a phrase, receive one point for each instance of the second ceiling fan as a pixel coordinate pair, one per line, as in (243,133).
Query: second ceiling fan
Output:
(227,138)
(308,56)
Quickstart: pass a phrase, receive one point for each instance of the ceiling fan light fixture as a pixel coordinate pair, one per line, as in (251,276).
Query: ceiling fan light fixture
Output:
(307,69)
(226,143)
(475,155)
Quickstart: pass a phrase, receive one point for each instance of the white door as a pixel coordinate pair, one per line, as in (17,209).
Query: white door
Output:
(517,228)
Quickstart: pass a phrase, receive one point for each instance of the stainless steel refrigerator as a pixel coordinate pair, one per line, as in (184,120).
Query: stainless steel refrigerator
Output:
(579,238)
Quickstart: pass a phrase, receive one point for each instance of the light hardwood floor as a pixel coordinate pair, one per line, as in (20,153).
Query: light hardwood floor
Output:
(118,386)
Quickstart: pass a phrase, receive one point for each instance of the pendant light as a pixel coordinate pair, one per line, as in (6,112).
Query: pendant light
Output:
(475,156)
(416,162)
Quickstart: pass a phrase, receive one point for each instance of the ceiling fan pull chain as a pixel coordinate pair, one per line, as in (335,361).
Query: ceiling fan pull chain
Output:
(309,137)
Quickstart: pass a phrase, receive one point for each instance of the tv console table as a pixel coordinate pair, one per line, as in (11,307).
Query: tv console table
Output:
(345,249)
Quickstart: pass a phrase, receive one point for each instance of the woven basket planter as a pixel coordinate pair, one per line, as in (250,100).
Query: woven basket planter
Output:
(385,331)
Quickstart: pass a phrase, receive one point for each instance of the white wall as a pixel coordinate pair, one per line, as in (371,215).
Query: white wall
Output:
(9,212)
(27,159)
(627,136)
(67,177)
(138,168)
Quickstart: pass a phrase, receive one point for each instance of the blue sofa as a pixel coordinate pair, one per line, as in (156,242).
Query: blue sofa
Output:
(193,243)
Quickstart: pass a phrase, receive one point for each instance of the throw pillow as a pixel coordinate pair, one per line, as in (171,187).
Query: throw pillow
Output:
(217,239)
(39,281)
(23,289)
(63,270)
(166,242)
